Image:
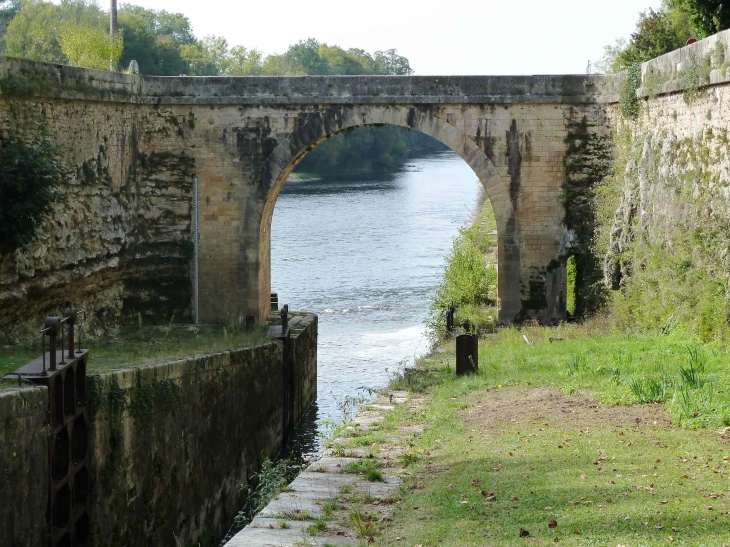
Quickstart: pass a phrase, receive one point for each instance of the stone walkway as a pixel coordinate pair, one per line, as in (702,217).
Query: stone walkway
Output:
(326,506)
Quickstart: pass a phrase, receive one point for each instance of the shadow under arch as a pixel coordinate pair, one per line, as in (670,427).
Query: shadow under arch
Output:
(312,128)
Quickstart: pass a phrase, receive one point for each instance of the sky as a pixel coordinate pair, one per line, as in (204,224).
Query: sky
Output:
(448,37)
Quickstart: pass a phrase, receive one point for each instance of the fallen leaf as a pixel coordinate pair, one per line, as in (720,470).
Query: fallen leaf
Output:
(475,482)
(463,501)
(524,533)
(449,487)
(552,523)
(548,508)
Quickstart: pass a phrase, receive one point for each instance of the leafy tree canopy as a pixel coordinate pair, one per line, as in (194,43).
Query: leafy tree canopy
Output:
(657,33)
(8,10)
(91,47)
(707,16)
(155,40)
(36,28)
(213,57)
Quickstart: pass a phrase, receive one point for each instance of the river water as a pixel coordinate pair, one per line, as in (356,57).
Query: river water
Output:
(366,254)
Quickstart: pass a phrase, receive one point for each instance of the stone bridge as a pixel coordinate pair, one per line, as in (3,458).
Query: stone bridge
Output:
(242,137)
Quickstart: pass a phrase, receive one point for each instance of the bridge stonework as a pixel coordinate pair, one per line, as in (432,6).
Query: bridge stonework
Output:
(242,137)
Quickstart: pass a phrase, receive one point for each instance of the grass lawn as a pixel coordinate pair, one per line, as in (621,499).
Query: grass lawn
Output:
(137,346)
(550,440)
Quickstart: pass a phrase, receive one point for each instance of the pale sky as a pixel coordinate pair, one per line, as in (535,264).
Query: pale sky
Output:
(447,37)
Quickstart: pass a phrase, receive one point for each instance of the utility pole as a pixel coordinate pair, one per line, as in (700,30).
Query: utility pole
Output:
(113,18)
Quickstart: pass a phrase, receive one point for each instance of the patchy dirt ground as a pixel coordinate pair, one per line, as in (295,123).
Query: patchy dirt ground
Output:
(548,404)
(515,465)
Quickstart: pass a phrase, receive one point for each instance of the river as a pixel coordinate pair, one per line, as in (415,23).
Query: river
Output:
(366,254)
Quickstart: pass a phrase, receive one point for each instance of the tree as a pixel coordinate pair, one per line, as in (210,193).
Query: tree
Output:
(244,62)
(90,47)
(154,39)
(279,65)
(657,33)
(207,57)
(392,63)
(8,10)
(305,53)
(33,32)
(707,16)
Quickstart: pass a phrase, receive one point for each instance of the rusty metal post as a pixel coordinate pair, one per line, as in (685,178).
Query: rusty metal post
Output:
(467,354)
(284,319)
(71,321)
(43,351)
(63,346)
(450,319)
(52,325)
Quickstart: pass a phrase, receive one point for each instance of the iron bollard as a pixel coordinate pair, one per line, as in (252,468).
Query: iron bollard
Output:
(53,324)
(284,319)
(71,321)
(274,301)
(467,354)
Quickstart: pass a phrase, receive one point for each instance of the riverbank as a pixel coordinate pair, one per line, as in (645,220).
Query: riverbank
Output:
(574,435)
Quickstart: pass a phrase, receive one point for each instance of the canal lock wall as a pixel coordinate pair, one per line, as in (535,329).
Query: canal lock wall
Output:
(172,445)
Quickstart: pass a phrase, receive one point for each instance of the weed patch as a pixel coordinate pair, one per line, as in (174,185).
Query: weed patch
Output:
(369,468)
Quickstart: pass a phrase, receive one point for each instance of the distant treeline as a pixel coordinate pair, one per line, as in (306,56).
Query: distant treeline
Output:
(382,148)
(163,44)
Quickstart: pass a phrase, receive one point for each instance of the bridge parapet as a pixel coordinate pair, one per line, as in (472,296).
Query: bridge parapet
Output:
(22,76)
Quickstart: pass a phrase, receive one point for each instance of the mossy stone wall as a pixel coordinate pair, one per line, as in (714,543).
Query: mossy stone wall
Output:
(173,445)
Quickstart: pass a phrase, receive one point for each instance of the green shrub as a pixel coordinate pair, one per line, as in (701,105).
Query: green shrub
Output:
(31,174)
(694,76)
(270,481)
(481,319)
(469,282)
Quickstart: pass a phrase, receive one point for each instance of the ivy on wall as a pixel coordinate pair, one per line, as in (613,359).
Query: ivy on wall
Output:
(31,176)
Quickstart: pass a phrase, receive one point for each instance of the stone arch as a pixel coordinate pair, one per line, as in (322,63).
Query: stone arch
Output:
(312,128)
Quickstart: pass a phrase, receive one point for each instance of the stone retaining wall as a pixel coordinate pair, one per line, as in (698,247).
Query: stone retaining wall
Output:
(173,445)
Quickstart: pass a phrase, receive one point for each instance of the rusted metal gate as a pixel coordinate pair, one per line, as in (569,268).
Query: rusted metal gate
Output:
(63,372)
